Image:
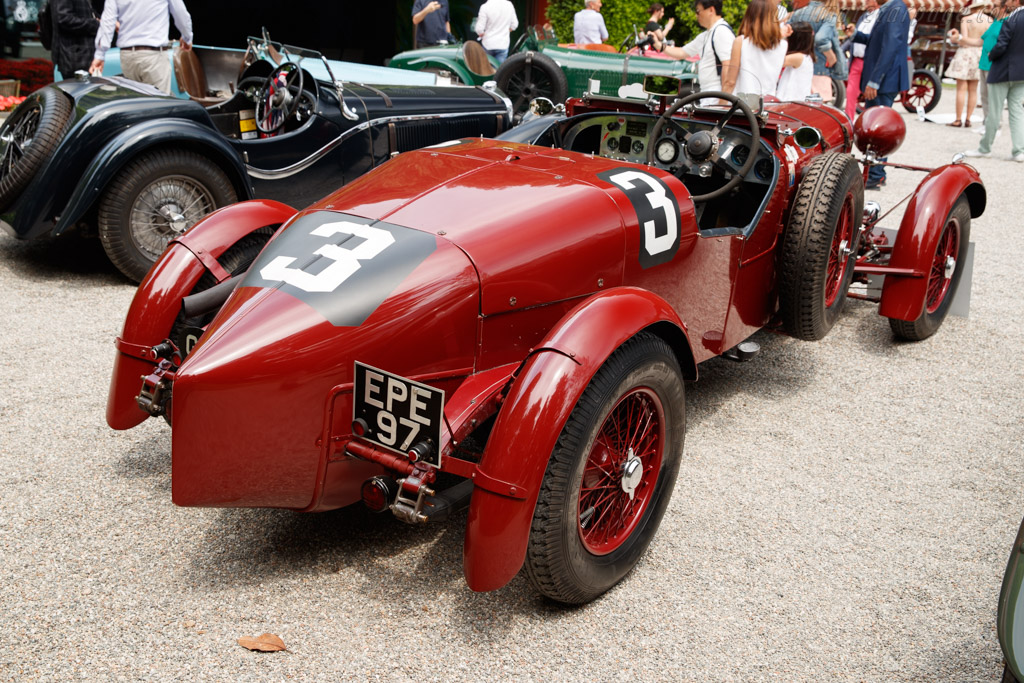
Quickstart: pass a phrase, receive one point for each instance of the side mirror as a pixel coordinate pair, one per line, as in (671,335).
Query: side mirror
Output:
(541,106)
(662,86)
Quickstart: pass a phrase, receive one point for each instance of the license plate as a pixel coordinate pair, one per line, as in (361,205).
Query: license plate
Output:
(398,412)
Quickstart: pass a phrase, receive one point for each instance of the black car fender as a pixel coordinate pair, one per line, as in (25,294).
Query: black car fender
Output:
(133,141)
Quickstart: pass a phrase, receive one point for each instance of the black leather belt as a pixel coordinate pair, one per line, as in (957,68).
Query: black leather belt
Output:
(133,48)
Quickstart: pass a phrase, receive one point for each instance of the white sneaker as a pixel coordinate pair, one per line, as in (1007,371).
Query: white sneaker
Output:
(977,153)
(1019,156)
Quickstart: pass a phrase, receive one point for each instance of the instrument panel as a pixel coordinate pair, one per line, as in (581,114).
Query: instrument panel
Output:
(628,138)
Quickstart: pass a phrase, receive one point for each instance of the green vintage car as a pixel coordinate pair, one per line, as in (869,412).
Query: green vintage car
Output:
(1010,614)
(538,66)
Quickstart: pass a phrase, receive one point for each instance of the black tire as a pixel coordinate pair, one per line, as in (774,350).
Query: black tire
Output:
(1008,676)
(956,234)
(820,246)
(236,260)
(838,98)
(527,75)
(137,208)
(573,556)
(28,138)
(925,90)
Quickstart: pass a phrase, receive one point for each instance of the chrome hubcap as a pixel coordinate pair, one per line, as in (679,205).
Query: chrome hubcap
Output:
(166,209)
(632,473)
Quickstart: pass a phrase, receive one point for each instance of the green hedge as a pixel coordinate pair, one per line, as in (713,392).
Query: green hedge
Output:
(621,15)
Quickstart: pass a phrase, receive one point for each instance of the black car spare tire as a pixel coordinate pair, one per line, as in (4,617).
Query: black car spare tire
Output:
(29,137)
(819,246)
(155,198)
(528,75)
(610,475)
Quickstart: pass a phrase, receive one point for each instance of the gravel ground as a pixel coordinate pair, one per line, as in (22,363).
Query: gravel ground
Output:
(844,509)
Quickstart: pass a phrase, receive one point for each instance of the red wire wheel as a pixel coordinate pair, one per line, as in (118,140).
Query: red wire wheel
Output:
(621,471)
(839,252)
(925,91)
(610,476)
(943,266)
(944,272)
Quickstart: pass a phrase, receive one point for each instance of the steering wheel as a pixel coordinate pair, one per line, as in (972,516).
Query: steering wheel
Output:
(702,146)
(633,38)
(275,102)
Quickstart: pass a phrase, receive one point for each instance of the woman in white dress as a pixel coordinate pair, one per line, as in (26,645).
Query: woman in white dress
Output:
(758,52)
(964,67)
(798,67)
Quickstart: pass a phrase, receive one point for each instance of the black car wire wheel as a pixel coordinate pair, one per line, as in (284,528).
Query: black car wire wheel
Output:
(155,198)
(29,137)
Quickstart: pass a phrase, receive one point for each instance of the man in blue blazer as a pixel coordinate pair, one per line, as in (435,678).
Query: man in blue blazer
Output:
(1006,84)
(885,72)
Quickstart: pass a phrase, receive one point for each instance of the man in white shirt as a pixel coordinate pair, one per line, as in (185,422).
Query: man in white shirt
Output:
(588,24)
(496,21)
(713,47)
(142,36)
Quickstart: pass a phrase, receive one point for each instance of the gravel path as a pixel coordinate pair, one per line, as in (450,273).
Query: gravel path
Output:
(844,510)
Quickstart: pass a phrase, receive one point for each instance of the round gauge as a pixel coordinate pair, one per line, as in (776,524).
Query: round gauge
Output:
(740,155)
(666,151)
(764,168)
(638,146)
(613,144)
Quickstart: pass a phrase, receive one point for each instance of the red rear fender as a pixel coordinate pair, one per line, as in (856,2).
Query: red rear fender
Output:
(903,296)
(543,395)
(158,299)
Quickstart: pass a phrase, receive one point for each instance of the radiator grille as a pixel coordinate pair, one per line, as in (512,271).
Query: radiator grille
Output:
(415,134)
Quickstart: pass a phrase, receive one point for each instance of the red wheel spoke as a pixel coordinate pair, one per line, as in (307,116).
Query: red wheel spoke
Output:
(633,430)
(837,260)
(938,283)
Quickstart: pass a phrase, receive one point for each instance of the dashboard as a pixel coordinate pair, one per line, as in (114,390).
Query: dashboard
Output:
(627,137)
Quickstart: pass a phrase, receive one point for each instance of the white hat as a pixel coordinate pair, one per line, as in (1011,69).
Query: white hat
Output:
(979,3)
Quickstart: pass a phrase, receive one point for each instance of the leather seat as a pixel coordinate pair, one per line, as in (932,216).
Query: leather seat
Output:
(476,59)
(192,79)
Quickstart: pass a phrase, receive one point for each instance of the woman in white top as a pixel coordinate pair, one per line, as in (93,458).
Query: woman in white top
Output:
(798,67)
(759,51)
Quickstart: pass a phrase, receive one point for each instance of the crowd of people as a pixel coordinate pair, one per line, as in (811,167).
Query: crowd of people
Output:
(999,50)
(790,56)
(800,55)
(83,30)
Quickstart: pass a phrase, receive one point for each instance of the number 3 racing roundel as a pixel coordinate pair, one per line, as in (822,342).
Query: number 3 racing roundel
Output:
(342,266)
(656,211)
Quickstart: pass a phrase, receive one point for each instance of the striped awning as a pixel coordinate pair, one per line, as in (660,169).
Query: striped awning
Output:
(920,5)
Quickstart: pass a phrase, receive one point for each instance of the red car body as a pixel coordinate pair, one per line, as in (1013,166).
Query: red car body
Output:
(518,271)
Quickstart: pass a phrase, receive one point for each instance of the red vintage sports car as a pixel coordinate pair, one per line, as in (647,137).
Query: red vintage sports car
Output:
(510,324)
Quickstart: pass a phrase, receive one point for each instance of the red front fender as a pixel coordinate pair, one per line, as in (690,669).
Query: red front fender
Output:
(903,296)
(528,425)
(158,299)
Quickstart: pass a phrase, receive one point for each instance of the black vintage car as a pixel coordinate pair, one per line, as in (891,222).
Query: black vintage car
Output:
(136,167)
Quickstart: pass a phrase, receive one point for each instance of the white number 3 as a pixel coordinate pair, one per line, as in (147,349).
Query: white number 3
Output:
(662,206)
(346,261)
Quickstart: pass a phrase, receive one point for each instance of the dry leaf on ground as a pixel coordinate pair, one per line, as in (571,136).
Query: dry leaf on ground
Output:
(268,642)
